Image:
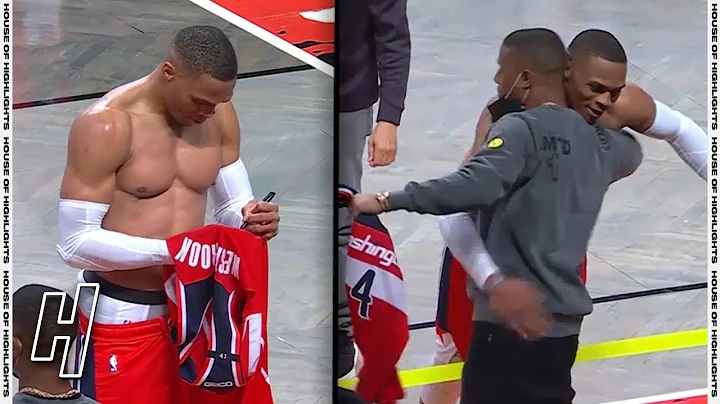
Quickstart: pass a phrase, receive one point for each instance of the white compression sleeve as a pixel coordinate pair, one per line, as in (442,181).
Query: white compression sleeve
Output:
(685,136)
(84,244)
(231,192)
(461,236)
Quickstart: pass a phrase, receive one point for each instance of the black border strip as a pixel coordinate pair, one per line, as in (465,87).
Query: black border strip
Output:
(90,96)
(607,299)
(336,289)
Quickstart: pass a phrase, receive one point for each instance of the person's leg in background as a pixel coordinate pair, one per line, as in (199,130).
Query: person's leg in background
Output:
(354,128)
(454,312)
(445,353)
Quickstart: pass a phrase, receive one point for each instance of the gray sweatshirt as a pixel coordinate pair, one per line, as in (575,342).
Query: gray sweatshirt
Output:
(537,186)
(21,398)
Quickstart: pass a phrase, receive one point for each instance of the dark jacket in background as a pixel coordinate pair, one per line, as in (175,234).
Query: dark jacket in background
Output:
(373,42)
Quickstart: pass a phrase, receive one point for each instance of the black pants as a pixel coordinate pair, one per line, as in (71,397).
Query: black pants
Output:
(345,396)
(502,368)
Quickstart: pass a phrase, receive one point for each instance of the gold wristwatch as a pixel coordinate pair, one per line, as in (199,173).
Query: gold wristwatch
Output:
(383,199)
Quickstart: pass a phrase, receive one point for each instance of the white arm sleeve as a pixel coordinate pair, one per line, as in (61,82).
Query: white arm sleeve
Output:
(461,236)
(84,244)
(685,136)
(231,192)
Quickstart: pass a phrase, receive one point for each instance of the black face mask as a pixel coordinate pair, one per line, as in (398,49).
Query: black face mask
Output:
(503,106)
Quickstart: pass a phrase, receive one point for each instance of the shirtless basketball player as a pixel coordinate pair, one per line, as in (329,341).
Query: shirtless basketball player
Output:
(141,162)
(597,89)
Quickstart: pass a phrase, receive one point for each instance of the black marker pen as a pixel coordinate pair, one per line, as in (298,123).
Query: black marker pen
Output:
(269,197)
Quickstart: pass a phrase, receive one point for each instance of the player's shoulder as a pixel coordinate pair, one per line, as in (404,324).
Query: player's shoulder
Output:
(226,121)
(634,108)
(102,124)
(632,92)
(225,109)
(115,108)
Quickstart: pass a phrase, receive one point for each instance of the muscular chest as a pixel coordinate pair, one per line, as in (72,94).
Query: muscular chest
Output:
(163,158)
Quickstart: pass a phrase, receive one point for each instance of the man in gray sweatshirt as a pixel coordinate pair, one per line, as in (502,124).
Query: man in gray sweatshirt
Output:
(537,187)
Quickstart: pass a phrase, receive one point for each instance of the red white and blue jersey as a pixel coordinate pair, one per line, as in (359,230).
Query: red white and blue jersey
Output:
(454,308)
(376,297)
(218,298)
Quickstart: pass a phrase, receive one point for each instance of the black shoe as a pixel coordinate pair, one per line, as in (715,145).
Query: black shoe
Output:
(345,355)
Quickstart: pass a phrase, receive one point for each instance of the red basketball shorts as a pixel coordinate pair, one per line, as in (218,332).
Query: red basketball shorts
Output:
(454,311)
(129,363)
(137,363)
(132,359)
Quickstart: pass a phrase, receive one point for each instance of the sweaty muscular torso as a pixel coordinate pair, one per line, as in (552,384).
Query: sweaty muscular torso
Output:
(161,190)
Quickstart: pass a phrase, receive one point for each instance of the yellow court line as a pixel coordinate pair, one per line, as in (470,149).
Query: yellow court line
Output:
(586,353)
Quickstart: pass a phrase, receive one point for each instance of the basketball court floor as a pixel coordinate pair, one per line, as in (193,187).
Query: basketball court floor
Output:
(69,49)
(652,230)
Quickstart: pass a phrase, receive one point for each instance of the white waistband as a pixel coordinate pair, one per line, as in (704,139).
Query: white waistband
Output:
(113,311)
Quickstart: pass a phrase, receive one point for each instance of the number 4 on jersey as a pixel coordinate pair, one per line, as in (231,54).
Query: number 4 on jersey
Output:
(362,292)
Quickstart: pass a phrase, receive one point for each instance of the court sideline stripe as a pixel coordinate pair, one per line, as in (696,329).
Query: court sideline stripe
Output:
(264,35)
(92,96)
(663,398)
(586,353)
(607,299)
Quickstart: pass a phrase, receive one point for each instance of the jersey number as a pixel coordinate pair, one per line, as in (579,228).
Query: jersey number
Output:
(362,293)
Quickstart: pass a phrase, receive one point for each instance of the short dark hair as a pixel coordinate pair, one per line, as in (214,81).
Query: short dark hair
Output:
(205,49)
(599,43)
(542,46)
(26,310)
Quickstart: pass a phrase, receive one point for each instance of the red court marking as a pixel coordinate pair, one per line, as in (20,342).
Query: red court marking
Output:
(282,18)
(688,397)
(689,400)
